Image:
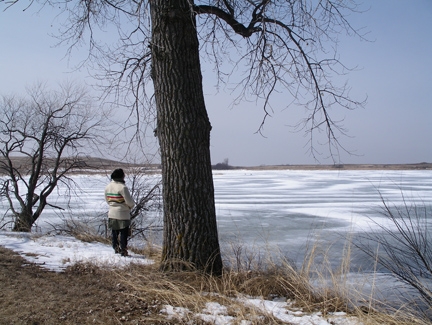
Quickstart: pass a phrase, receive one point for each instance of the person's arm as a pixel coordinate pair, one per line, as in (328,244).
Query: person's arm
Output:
(127,197)
(105,195)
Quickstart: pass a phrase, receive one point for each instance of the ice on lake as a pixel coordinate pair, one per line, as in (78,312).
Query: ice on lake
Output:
(287,208)
(284,210)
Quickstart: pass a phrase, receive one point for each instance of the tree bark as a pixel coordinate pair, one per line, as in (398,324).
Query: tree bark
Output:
(183,129)
(24,222)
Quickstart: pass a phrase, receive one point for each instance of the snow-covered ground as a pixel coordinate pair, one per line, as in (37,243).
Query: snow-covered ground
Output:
(55,253)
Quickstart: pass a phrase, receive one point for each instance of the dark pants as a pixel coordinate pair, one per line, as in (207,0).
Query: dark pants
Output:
(123,239)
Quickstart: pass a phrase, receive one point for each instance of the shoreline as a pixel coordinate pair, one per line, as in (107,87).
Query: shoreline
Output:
(336,167)
(102,165)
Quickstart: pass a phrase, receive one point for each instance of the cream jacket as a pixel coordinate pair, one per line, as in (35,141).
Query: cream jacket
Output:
(119,200)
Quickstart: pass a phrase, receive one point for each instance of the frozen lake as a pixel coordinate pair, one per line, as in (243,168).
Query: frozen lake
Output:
(290,209)
(285,210)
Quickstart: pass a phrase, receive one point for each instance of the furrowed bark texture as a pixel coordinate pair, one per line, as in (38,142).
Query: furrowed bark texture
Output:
(183,129)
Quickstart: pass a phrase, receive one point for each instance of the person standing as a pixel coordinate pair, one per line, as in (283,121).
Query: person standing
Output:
(120,204)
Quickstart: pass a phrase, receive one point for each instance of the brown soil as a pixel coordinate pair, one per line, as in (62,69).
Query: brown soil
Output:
(82,295)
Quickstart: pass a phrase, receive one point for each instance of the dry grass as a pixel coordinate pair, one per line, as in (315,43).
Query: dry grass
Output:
(193,290)
(84,294)
(139,294)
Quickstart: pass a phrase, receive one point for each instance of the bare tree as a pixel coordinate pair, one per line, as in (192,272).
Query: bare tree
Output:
(43,138)
(284,46)
(146,191)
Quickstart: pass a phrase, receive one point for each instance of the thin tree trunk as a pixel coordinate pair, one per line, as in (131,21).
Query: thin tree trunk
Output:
(183,129)
(26,218)
(24,222)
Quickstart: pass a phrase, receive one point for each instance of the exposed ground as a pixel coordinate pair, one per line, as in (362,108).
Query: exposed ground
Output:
(86,294)
(81,295)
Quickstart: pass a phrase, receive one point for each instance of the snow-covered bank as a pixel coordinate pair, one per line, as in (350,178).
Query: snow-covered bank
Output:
(55,253)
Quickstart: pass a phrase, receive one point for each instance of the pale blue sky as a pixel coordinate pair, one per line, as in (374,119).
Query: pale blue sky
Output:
(395,73)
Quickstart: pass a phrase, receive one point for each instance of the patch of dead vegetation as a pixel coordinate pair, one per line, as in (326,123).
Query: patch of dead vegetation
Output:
(138,294)
(84,294)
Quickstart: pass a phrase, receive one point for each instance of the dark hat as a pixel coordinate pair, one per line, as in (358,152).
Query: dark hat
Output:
(118,174)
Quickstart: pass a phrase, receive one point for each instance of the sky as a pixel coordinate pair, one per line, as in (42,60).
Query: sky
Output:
(55,253)
(393,70)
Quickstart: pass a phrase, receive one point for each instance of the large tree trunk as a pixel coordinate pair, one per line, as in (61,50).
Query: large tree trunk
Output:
(183,129)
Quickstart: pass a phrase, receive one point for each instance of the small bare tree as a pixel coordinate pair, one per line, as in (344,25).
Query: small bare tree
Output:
(147,194)
(42,140)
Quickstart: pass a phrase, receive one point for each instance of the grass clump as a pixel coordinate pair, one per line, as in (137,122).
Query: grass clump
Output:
(186,295)
(316,286)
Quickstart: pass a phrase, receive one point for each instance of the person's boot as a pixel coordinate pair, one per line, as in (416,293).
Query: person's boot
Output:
(117,250)
(124,252)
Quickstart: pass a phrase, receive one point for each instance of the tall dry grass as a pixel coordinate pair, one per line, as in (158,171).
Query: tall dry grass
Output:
(310,288)
(315,286)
